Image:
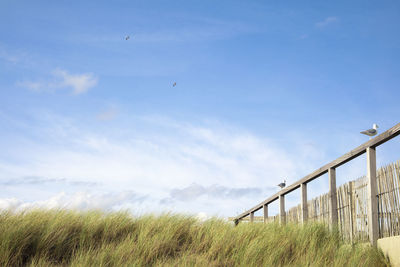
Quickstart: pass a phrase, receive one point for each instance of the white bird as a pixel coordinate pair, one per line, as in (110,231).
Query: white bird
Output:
(174,84)
(371,132)
(282,185)
(127,38)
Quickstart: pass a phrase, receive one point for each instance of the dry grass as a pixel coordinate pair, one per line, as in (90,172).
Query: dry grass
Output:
(68,238)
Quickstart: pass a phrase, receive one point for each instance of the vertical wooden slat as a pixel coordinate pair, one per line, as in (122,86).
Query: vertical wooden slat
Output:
(385,203)
(351,210)
(380,191)
(251,217)
(396,179)
(282,213)
(392,196)
(396,182)
(339,199)
(371,196)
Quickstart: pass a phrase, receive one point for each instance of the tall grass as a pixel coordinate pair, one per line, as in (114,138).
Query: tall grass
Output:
(60,238)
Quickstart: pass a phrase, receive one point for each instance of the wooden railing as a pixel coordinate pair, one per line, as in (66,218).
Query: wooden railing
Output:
(372,204)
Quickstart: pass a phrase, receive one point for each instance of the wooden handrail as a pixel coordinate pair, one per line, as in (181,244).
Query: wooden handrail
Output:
(378,140)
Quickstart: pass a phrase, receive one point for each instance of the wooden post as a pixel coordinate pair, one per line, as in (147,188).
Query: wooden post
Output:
(252,216)
(372,204)
(333,197)
(282,214)
(304,207)
(265,213)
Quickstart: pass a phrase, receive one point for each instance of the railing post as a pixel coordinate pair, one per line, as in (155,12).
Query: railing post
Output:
(304,207)
(265,207)
(371,196)
(282,213)
(333,197)
(252,216)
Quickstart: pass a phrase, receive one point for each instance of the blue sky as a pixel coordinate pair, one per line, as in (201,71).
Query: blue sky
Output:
(265,91)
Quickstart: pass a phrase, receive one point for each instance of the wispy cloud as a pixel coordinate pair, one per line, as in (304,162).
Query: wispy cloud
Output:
(196,29)
(61,79)
(159,157)
(15,56)
(108,114)
(8,57)
(35,180)
(195,191)
(327,21)
(76,201)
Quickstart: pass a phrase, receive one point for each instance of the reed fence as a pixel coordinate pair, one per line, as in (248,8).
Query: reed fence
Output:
(352,206)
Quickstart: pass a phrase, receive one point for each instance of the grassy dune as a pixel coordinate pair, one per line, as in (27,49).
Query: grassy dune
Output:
(67,238)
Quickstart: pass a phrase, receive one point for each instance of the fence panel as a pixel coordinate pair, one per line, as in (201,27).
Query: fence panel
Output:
(352,206)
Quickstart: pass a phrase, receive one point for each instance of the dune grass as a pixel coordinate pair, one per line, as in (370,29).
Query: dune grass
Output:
(69,238)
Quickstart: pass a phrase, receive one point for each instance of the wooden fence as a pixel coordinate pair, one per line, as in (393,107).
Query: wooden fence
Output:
(365,209)
(352,206)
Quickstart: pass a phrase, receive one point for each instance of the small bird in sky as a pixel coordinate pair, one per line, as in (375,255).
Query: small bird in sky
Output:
(127,38)
(371,132)
(174,84)
(282,185)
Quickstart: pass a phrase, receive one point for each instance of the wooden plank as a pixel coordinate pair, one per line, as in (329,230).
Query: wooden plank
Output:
(384,203)
(351,205)
(388,177)
(378,140)
(372,205)
(396,193)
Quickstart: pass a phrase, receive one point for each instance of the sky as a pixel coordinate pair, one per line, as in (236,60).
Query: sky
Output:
(265,91)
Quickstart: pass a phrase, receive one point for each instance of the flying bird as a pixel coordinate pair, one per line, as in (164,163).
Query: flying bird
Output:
(371,132)
(174,84)
(127,38)
(282,185)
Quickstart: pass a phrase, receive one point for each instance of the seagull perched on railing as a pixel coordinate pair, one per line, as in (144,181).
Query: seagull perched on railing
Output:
(282,185)
(371,132)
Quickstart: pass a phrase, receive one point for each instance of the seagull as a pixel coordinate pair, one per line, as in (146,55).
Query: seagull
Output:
(282,185)
(371,132)
(174,84)
(127,38)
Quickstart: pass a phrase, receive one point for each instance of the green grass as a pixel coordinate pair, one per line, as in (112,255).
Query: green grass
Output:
(68,238)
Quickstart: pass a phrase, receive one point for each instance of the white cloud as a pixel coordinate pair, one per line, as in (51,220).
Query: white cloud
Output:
(194,191)
(34,180)
(80,83)
(202,216)
(108,114)
(10,204)
(8,57)
(155,158)
(61,79)
(327,21)
(76,201)
(12,56)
